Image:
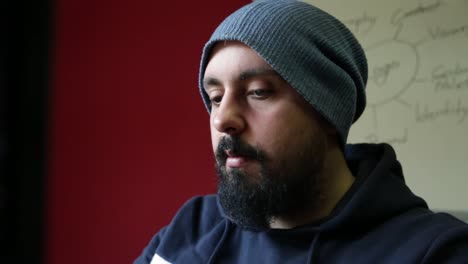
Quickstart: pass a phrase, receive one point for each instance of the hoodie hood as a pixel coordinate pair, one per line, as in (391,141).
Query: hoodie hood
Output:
(378,193)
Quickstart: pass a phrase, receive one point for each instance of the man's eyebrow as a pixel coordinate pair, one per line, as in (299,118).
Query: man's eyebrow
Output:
(210,81)
(243,76)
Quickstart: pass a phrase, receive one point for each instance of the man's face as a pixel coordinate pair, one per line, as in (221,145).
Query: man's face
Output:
(268,142)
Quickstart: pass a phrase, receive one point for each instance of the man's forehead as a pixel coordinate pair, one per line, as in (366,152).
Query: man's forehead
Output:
(226,43)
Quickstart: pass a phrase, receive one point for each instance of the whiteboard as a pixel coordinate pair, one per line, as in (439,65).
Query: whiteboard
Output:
(417,89)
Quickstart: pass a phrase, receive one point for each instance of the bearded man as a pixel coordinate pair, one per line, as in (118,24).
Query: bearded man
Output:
(283,81)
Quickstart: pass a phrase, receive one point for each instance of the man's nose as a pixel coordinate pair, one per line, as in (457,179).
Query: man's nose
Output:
(228,118)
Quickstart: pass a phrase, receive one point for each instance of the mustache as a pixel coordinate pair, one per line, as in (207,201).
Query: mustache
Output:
(237,147)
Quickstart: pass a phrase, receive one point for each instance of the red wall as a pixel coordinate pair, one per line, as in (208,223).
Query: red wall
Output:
(129,136)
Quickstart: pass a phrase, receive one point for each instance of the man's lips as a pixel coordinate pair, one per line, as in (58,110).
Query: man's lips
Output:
(235,160)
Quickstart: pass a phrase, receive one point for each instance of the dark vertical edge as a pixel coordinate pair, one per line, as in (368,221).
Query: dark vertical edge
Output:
(3,133)
(24,108)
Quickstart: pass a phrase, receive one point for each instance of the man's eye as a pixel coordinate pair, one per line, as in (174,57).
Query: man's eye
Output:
(216,100)
(261,93)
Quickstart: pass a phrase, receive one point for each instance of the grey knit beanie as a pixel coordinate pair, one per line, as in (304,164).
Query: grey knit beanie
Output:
(314,52)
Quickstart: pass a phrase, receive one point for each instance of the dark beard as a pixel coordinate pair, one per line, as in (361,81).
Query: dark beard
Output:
(287,190)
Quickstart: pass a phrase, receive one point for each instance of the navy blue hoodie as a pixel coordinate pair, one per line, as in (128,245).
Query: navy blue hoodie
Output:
(379,220)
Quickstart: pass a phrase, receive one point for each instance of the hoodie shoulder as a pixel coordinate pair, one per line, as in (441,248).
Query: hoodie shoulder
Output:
(198,218)
(451,243)
(199,213)
(440,237)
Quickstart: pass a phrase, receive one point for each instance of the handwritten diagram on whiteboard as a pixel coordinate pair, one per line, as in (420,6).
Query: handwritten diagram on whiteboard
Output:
(417,89)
